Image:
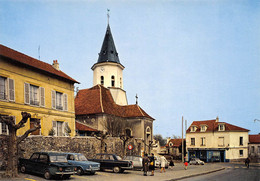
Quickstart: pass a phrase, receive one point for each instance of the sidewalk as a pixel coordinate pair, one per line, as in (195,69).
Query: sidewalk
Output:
(176,173)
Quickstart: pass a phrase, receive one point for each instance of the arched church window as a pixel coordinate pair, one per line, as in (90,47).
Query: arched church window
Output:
(113,81)
(102,80)
(128,132)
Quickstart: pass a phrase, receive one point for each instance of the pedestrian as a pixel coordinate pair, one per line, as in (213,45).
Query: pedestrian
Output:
(163,163)
(171,163)
(247,161)
(152,165)
(186,165)
(145,164)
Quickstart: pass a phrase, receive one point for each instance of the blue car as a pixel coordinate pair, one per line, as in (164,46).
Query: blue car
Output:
(82,163)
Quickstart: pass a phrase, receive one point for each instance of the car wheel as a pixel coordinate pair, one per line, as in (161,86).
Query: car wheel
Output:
(116,169)
(23,169)
(47,175)
(79,171)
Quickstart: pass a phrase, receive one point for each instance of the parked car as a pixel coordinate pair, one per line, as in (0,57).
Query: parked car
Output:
(82,163)
(47,163)
(113,162)
(136,160)
(196,161)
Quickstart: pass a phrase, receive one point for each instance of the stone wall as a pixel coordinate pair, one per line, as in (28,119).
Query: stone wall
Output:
(88,146)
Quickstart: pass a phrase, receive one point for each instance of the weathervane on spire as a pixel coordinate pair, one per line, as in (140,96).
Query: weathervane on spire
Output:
(108,16)
(136,97)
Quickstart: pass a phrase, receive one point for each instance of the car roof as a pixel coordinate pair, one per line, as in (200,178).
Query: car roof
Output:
(49,153)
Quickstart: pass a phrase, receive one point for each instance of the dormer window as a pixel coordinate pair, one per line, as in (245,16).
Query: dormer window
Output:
(193,129)
(170,144)
(221,127)
(203,128)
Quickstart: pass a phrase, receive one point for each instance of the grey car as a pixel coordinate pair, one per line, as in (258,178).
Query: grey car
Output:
(136,160)
(196,161)
(82,163)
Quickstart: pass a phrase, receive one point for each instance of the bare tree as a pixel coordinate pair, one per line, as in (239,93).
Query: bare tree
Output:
(14,140)
(116,127)
(101,136)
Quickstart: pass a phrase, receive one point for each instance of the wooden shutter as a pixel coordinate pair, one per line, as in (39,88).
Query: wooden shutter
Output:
(11,89)
(53,98)
(54,126)
(42,96)
(65,99)
(26,93)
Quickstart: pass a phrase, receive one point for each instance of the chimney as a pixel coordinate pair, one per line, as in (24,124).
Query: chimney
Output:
(217,119)
(55,65)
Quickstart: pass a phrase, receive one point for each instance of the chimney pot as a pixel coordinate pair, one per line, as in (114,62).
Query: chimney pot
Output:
(55,65)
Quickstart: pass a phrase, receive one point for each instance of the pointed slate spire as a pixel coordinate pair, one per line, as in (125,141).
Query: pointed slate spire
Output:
(108,51)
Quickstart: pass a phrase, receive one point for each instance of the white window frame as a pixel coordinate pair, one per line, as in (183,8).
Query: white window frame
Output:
(9,89)
(203,141)
(56,128)
(30,90)
(63,100)
(191,142)
(193,129)
(241,141)
(221,127)
(203,128)
(241,151)
(1,129)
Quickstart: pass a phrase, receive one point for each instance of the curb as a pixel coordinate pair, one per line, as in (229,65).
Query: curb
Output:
(189,176)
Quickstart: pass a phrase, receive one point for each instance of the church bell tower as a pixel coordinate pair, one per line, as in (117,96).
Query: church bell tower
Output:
(108,71)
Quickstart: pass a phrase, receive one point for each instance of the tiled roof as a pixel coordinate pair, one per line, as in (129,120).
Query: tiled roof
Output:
(98,99)
(175,142)
(83,127)
(254,138)
(32,63)
(212,125)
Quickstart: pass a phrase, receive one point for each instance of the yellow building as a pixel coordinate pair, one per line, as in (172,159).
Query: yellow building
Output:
(41,89)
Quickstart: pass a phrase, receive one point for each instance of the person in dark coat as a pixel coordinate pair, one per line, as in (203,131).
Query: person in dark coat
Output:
(152,164)
(171,163)
(247,161)
(145,164)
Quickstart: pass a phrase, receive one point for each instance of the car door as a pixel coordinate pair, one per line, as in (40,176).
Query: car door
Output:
(42,163)
(32,163)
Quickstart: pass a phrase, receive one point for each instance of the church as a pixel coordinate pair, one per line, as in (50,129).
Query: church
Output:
(104,106)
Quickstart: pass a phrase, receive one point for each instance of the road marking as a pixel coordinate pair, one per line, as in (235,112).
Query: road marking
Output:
(29,179)
(236,167)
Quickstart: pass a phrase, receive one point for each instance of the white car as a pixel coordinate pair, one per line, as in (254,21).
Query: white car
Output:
(196,161)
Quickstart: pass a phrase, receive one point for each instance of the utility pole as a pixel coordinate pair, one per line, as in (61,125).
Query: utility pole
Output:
(182,146)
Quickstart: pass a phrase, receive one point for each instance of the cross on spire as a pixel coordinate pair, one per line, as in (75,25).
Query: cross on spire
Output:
(108,16)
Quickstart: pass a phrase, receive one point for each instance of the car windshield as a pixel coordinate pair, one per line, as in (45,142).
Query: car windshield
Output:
(118,158)
(58,158)
(80,158)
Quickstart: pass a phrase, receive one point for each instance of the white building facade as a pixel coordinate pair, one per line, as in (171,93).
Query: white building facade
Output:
(214,141)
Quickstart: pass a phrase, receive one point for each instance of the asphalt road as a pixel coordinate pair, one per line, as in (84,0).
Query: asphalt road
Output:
(237,172)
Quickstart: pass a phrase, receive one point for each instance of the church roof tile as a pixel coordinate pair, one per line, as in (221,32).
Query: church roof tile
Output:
(98,99)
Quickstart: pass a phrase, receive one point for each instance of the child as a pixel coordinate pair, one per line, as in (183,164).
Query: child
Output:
(186,165)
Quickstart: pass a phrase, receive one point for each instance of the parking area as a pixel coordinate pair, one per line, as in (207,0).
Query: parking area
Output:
(177,171)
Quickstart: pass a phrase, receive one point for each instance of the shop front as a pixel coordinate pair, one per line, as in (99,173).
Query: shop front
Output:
(207,155)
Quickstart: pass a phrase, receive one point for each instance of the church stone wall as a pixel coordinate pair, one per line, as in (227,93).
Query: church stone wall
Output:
(89,146)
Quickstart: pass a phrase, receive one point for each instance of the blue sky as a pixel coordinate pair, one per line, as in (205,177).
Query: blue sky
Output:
(198,59)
